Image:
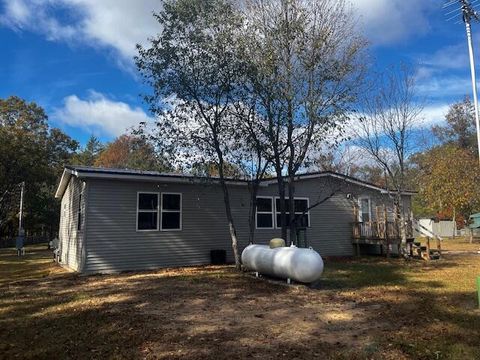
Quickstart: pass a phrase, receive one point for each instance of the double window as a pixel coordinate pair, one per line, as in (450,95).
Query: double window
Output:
(302,214)
(267,212)
(151,211)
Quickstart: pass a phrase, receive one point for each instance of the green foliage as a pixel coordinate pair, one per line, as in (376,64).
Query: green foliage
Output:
(449,179)
(460,127)
(89,154)
(447,174)
(30,151)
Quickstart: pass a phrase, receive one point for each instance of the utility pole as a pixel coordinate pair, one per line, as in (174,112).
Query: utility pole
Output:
(468,14)
(20,216)
(21,232)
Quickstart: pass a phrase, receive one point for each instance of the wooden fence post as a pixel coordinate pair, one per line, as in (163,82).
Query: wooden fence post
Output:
(428,248)
(439,246)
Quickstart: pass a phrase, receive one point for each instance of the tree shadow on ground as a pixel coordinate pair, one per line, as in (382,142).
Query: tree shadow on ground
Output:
(364,309)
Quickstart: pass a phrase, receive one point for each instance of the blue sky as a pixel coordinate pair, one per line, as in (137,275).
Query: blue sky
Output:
(74,57)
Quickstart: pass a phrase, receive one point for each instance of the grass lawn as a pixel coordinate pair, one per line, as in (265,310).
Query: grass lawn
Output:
(458,244)
(369,308)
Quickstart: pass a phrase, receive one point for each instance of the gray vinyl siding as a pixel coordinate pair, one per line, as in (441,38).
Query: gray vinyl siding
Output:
(71,240)
(113,243)
(330,231)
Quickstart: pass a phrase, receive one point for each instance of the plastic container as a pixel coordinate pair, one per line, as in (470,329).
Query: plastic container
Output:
(218,257)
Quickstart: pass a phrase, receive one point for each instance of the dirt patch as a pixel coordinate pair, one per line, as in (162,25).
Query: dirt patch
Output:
(370,308)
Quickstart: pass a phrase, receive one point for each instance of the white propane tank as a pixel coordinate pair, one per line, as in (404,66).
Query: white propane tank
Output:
(302,265)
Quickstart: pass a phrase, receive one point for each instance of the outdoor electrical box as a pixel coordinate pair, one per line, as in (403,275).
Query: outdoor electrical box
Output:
(20,242)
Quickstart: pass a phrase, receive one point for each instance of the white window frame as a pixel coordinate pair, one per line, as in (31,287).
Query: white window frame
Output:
(272,213)
(294,198)
(171,211)
(360,213)
(148,211)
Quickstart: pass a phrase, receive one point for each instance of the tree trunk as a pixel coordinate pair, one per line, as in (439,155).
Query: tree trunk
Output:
(231,225)
(281,194)
(385,219)
(228,209)
(252,211)
(402,227)
(292,223)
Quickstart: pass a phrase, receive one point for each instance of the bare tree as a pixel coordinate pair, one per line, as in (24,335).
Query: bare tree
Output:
(306,65)
(196,60)
(251,152)
(386,129)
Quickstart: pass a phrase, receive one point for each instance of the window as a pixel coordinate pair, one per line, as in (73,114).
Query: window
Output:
(264,213)
(147,211)
(365,209)
(171,211)
(302,214)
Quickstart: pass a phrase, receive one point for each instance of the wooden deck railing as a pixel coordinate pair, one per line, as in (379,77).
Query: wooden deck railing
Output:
(380,230)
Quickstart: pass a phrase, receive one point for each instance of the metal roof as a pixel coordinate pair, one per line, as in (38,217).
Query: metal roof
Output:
(88,172)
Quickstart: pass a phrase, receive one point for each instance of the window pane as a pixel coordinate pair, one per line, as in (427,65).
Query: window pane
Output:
(171,202)
(365,210)
(365,217)
(264,204)
(170,220)
(364,204)
(147,201)
(147,220)
(287,204)
(264,221)
(301,205)
(279,222)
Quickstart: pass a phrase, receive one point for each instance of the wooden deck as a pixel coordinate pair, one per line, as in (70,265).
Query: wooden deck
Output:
(379,233)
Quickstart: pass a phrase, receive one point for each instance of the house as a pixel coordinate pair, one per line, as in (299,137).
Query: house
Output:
(115,219)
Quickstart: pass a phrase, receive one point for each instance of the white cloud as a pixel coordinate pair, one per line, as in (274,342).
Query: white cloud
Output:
(116,24)
(433,115)
(99,114)
(442,87)
(391,21)
(15,12)
(121,24)
(36,15)
(447,57)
